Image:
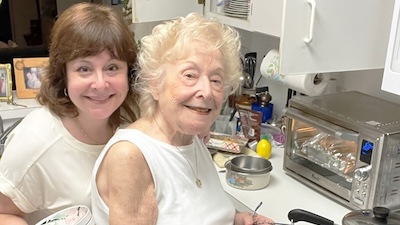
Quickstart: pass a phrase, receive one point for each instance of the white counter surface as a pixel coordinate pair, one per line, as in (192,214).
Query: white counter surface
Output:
(284,193)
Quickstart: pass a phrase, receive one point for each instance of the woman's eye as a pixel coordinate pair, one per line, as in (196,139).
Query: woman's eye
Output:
(216,81)
(83,69)
(190,75)
(112,68)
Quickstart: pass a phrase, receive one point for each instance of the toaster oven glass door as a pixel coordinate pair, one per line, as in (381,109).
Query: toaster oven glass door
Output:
(320,151)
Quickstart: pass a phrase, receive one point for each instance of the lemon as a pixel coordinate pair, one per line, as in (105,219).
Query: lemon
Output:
(264,148)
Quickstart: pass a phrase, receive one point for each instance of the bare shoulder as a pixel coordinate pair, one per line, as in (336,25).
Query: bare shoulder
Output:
(123,152)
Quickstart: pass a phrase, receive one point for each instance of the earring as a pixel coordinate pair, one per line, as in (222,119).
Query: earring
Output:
(65,92)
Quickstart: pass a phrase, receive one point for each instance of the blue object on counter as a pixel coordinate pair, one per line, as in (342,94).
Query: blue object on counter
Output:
(266,111)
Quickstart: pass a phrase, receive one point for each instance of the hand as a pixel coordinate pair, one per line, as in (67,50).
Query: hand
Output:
(246,218)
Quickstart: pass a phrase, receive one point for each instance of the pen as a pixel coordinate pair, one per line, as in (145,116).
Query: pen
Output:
(255,210)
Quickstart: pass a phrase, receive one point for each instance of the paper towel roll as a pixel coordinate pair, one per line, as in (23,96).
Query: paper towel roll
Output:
(309,84)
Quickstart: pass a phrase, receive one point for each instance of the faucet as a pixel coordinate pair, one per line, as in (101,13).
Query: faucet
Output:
(4,134)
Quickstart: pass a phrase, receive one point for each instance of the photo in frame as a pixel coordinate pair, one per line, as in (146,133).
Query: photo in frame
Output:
(28,72)
(5,83)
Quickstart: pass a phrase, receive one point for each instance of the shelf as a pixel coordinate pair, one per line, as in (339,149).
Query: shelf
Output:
(10,112)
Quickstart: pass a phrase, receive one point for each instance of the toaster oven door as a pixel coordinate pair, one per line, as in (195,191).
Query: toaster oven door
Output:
(320,153)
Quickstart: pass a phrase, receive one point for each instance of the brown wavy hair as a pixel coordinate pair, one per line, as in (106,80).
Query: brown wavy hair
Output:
(87,29)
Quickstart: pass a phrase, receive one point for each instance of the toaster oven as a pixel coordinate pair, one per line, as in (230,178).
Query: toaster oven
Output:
(346,146)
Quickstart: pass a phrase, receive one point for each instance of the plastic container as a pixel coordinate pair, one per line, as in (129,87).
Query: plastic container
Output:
(75,215)
(264,148)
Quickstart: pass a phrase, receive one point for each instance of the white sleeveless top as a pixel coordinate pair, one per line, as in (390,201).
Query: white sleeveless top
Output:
(180,201)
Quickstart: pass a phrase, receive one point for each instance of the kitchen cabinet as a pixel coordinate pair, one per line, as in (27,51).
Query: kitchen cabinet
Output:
(316,36)
(158,10)
(331,36)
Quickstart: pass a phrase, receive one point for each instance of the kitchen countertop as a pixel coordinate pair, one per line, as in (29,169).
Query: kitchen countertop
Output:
(285,193)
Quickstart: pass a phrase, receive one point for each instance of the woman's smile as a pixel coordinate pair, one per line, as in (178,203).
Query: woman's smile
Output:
(203,110)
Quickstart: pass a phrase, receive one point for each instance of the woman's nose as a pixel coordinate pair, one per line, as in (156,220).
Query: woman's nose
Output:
(204,86)
(100,81)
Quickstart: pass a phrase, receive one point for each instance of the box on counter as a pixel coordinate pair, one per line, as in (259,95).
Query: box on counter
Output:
(226,142)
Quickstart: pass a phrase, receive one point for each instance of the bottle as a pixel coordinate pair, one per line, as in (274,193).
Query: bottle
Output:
(264,147)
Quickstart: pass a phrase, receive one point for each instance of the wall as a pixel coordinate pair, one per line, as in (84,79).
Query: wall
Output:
(63,5)
(21,24)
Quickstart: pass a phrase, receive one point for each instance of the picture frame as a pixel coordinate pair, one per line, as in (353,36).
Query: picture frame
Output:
(5,83)
(28,72)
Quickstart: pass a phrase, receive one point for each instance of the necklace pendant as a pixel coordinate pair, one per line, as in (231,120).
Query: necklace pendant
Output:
(198,182)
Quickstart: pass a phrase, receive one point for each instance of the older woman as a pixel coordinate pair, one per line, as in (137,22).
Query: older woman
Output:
(158,171)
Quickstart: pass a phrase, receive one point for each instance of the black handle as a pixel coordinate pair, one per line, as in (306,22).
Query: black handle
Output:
(297,215)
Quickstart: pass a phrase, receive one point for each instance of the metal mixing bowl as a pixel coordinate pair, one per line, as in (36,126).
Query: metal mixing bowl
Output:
(250,164)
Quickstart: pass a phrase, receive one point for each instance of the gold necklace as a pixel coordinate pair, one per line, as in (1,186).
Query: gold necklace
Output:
(83,132)
(197,181)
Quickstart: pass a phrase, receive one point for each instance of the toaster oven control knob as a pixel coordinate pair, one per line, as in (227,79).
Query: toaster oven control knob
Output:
(362,173)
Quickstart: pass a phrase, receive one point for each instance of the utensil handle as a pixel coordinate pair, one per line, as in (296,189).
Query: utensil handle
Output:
(297,215)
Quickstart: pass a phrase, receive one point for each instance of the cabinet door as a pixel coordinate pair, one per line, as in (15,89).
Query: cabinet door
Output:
(266,16)
(158,10)
(342,35)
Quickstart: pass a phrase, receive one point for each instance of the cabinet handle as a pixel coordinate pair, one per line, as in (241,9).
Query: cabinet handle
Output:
(311,30)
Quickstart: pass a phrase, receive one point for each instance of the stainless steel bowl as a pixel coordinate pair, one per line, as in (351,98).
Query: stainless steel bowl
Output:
(250,164)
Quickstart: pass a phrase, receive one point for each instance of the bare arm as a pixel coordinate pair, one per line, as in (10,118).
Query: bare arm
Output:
(131,198)
(10,214)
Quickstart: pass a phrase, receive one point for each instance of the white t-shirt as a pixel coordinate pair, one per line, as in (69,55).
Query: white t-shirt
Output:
(180,201)
(44,168)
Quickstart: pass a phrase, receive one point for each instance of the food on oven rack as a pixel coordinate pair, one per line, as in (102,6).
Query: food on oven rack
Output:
(329,152)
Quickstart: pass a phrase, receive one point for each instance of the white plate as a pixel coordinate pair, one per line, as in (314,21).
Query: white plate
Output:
(237,8)
(236,15)
(237,5)
(75,215)
(236,12)
(238,1)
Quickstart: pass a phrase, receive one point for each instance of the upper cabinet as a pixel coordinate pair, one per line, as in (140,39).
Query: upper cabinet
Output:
(316,36)
(332,36)
(157,10)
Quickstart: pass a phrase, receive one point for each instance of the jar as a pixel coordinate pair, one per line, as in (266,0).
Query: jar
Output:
(245,101)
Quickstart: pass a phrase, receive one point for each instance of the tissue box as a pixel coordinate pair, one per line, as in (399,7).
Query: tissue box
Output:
(227,143)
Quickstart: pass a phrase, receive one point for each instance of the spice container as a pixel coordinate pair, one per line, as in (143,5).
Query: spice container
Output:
(263,104)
